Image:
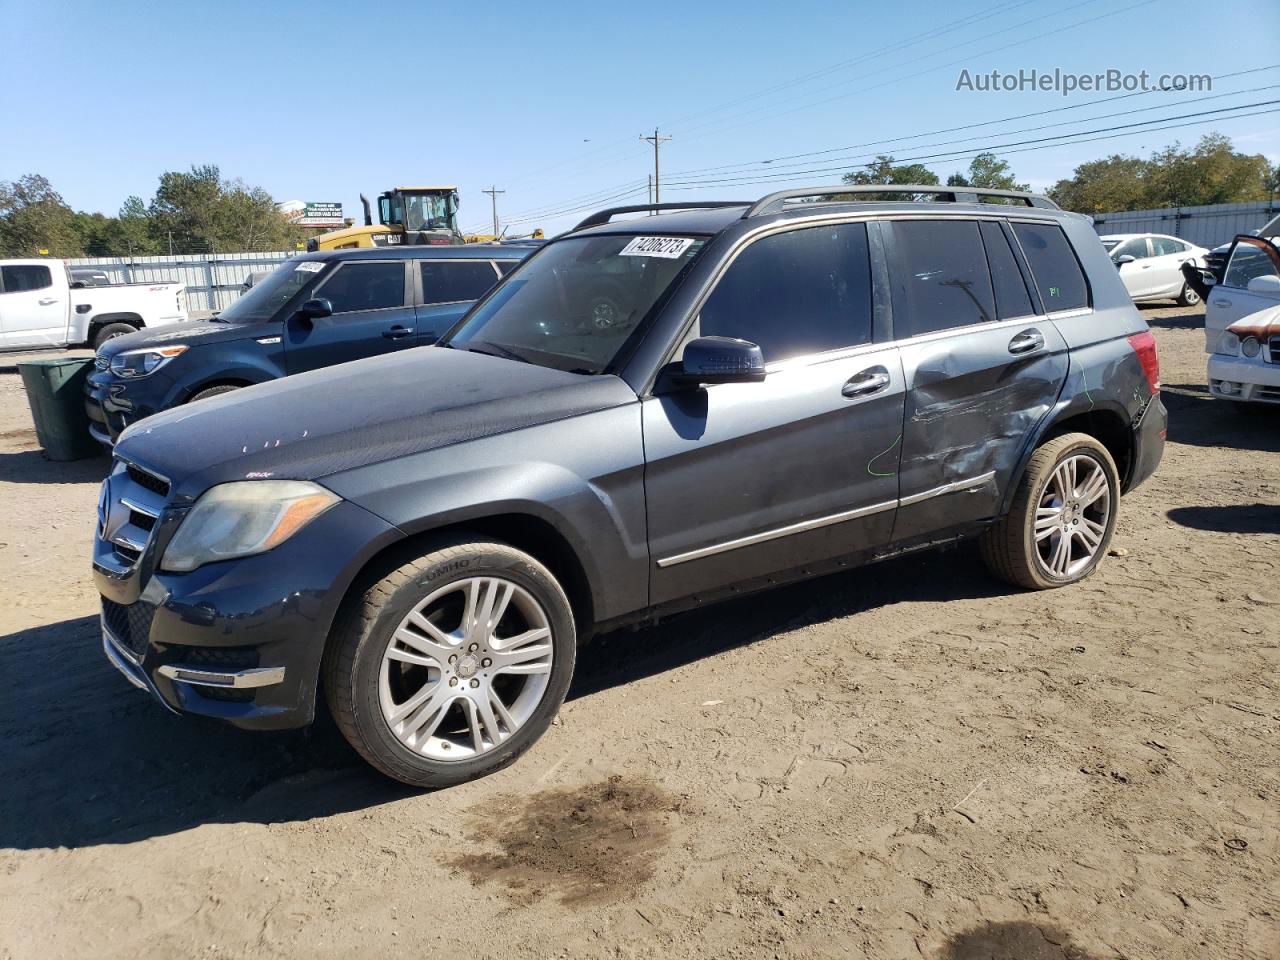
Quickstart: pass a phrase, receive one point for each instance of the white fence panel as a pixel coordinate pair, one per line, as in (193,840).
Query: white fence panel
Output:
(213,281)
(1205,226)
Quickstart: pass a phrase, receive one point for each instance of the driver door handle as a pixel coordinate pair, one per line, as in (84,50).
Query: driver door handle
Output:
(866,382)
(1026,341)
(1221,303)
(397,332)
(47,301)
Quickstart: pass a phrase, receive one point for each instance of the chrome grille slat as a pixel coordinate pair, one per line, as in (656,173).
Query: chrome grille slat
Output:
(130,513)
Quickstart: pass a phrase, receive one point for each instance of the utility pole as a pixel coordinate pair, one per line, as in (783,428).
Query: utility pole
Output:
(657,142)
(493,192)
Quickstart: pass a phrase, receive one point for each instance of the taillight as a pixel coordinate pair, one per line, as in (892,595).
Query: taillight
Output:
(1144,345)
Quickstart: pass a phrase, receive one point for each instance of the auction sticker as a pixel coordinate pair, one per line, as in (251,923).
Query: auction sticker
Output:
(669,248)
(310,266)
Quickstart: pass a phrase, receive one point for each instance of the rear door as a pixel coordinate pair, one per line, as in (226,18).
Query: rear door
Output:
(1168,255)
(448,288)
(982,362)
(371,315)
(1232,300)
(33,311)
(745,480)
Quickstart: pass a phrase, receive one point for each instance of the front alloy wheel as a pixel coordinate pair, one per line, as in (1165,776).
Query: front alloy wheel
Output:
(452,664)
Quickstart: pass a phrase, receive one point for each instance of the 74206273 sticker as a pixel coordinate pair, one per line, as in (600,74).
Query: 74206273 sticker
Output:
(669,248)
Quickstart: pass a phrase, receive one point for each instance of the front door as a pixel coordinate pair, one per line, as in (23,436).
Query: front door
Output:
(1138,275)
(371,315)
(982,365)
(33,313)
(1232,300)
(747,480)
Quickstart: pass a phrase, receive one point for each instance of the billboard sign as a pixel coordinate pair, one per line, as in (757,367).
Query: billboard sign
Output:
(318,215)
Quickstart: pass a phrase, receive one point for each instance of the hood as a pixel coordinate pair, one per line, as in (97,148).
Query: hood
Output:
(191,331)
(1262,325)
(311,425)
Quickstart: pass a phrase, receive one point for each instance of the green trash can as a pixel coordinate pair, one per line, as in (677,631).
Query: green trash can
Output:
(55,391)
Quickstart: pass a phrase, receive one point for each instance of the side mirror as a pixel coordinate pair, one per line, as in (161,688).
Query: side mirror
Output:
(720,360)
(1268,285)
(315,309)
(1124,258)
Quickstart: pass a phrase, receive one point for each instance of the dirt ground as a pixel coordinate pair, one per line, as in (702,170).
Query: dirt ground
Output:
(907,760)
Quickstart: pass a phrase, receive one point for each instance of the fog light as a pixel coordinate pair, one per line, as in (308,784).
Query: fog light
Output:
(1250,346)
(1227,388)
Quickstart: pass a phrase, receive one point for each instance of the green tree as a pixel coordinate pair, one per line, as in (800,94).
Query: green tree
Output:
(33,217)
(988,171)
(883,170)
(202,212)
(135,234)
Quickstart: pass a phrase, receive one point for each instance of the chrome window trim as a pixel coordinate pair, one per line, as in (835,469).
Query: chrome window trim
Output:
(956,486)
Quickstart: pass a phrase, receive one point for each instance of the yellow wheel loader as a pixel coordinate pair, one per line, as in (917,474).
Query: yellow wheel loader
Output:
(406,215)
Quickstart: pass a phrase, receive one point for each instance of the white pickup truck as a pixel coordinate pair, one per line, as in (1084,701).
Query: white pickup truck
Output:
(40,308)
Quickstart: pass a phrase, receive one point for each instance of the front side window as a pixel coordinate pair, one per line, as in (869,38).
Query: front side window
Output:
(454,281)
(796,293)
(941,280)
(365,286)
(1136,248)
(20,277)
(266,297)
(576,303)
(1053,265)
(1251,258)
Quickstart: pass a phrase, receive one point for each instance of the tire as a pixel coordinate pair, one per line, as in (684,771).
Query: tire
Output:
(372,676)
(110,331)
(1188,297)
(1010,548)
(214,391)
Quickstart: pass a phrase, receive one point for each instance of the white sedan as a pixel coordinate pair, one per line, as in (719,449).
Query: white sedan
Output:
(1150,265)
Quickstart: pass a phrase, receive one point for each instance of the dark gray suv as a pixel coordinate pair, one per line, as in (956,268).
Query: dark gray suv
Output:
(645,416)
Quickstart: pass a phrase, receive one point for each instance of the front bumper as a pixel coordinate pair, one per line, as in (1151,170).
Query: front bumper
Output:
(1239,378)
(113,403)
(238,640)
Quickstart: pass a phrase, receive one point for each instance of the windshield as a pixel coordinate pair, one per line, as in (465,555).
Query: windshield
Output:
(268,295)
(426,213)
(576,302)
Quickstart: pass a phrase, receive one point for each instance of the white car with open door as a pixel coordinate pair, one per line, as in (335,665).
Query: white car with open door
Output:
(1150,265)
(1242,324)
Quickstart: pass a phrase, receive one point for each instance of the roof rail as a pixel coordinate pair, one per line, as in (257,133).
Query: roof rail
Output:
(605,215)
(773,202)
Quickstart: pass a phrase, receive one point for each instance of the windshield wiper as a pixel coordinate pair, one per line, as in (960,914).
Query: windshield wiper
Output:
(495,350)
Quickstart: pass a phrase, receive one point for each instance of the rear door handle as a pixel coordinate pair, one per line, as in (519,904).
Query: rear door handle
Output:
(47,301)
(1222,303)
(397,332)
(1026,341)
(866,382)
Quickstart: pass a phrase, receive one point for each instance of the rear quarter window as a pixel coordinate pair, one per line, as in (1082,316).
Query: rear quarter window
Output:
(1054,265)
(452,281)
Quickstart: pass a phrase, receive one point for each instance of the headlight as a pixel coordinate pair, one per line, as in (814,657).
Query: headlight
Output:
(1228,344)
(243,518)
(142,363)
(1250,347)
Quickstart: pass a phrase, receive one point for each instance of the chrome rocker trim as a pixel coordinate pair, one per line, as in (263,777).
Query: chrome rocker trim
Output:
(805,525)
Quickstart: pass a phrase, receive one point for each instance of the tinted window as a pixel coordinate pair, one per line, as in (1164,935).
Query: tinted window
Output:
(796,293)
(1164,245)
(364,286)
(1054,265)
(1012,299)
(1248,261)
(941,278)
(506,266)
(449,282)
(270,293)
(19,277)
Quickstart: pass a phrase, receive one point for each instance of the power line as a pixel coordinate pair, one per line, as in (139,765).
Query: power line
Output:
(493,192)
(657,142)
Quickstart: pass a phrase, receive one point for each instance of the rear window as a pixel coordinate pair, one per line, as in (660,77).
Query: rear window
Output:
(1012,299)
(25,276)
(941,280)
(1054,265)
(445,281)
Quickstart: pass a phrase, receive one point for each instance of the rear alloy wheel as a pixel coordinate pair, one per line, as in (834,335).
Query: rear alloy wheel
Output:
(1062,518)
(452,665)
(1188,297)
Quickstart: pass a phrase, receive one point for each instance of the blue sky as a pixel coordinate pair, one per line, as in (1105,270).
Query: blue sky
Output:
(319,100)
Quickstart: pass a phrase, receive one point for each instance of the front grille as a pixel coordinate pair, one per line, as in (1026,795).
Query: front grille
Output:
(226,660)
(143,521)
(1274,348)
(148,480)
(130,622)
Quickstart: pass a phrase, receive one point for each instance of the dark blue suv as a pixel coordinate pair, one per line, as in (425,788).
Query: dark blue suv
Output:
(313,311)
